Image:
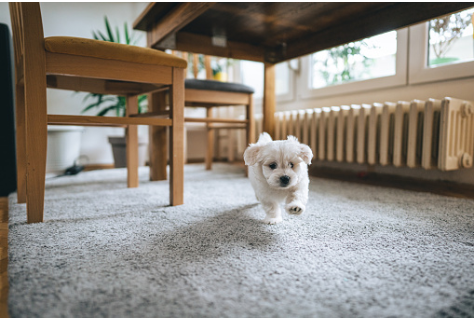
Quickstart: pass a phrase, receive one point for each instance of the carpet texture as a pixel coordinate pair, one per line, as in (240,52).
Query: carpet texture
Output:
(358,251)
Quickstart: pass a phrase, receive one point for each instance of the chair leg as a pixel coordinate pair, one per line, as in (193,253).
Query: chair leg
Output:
(185,141)
(251,122)
(250,126)
(132,144)
(230,138)
(20,144)
(36,145)
(177,138)
(157,139)
(210,142)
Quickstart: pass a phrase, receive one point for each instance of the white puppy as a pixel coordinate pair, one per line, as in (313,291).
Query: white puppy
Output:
(278,171)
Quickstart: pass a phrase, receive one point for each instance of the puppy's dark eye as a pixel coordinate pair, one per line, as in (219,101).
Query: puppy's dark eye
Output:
(272,166)
(291,164)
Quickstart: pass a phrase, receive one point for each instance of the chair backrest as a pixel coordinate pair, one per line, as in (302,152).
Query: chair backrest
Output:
(207,63)
(207,66)
(27,28)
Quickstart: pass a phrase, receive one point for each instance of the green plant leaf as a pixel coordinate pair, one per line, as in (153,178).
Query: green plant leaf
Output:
(109,30)
(88,108)
(102,36)
(100,100)
(119,110)
(127,37)
(141,100)
(98,103)
(106,110)
(89,96)
(118,34)
(121,101)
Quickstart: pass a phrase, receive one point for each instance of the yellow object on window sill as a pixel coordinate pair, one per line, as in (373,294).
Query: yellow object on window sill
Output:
(221,76)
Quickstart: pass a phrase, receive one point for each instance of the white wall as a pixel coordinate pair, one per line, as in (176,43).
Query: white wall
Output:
(4,13)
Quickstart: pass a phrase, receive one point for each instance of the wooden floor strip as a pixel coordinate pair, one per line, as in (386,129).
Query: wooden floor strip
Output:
(4,257)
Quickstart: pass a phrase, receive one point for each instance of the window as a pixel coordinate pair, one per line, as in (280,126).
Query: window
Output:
(222,68)
(438,50)
(252,75)
(370,58)
(446,46)
(376,62)
(451,39)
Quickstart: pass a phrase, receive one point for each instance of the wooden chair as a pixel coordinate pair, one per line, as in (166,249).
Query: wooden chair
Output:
(210,94)
(92,66)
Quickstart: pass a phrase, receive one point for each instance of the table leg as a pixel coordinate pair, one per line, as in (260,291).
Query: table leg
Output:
(269,99)
(177,138)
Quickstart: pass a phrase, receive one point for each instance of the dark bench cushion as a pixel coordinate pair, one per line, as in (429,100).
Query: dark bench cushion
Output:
(217,86)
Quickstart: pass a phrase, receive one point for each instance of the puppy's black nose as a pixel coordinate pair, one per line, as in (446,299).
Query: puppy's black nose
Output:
(284,180)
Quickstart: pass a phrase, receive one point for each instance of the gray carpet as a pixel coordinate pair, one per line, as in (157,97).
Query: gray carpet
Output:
(358,251)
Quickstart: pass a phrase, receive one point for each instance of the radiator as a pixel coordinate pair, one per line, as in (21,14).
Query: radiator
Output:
(432,134)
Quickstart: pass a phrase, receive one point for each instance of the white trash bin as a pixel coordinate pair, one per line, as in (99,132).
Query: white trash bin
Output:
(64,146)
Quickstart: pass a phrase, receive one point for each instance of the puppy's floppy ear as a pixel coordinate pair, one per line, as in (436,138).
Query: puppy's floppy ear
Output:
(251,154)
(305,153)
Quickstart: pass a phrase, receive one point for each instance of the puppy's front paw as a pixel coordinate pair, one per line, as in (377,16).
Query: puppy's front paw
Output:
(295,208)
(269,220)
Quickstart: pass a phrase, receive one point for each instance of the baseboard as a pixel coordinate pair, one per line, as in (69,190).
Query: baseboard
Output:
(99,166)
(195,160)
(4,257)
(92,167)
(446,188)
(201,160)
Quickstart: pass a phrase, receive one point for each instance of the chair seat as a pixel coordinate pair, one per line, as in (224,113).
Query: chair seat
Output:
(111,51)
(217,86)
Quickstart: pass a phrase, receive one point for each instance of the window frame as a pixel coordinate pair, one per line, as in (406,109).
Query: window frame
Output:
(398,79)
(419,72)
(290,96)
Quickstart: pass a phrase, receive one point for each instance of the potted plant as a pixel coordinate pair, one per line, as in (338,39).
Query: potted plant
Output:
(107,104)
(220,67)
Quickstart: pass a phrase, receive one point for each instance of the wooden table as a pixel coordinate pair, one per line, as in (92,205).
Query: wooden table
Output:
(274,32)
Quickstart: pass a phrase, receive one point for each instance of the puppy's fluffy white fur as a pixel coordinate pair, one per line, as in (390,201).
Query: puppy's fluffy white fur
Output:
(278,172)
